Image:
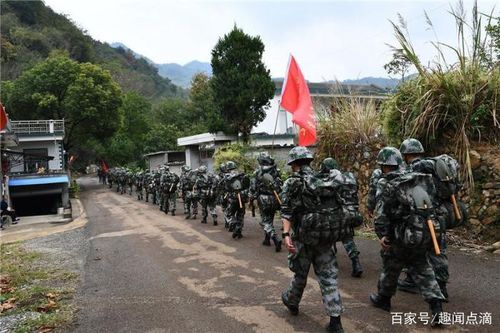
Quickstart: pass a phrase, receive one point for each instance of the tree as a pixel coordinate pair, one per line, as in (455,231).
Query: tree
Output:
(241,83)
(202,107)
(399,65)
(84,95)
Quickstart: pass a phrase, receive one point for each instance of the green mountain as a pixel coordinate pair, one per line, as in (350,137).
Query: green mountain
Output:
(31,31)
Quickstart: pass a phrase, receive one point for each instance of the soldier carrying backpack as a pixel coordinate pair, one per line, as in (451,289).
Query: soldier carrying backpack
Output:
(264,187)
(312,222)
(408,229)
(348,197)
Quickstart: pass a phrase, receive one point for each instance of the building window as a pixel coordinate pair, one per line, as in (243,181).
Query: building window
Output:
(35,159)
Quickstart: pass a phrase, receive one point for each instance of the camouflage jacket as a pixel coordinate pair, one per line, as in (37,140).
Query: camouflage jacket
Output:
(260,184)
(371,199)
(205,185)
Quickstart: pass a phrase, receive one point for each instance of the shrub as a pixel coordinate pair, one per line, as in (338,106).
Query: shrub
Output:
(236,153)
(345,126)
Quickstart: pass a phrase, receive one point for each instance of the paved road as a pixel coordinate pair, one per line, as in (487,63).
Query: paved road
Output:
(149,272)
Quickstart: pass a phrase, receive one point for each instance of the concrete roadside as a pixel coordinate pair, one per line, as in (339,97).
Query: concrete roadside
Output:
(41,226)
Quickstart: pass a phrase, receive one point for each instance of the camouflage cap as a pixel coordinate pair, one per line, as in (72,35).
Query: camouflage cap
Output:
(299,153)
(230,165)
(265,159)
(202,169)
(328,164)
(389,156)
(411,146)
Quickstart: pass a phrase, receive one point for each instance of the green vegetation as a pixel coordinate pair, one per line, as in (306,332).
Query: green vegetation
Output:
(29,285)
(345,126)
(31,31)
(241,83)
(450,104)
(235,153)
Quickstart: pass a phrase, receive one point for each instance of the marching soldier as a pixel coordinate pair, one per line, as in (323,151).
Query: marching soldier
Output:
(264,187)
(205,186)
(236,185)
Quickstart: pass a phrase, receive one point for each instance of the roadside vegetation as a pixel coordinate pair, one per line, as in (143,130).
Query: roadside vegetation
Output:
(29,286)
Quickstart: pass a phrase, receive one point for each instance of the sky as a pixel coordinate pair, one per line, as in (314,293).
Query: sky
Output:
(329,39)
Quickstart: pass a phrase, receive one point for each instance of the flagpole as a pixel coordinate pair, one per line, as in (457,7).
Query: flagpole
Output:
(276,124)
(279,101)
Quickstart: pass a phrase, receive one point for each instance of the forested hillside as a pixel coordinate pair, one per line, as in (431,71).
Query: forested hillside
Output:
(31,31)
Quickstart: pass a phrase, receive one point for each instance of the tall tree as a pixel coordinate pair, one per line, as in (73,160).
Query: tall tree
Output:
(202,107)
(84,95)
(241,83)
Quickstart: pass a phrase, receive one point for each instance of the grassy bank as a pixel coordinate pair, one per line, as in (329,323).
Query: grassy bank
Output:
(29,284)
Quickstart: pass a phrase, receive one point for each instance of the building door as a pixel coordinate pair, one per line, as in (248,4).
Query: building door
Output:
(35,159)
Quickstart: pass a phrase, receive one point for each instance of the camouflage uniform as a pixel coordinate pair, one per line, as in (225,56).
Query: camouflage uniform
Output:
(321,257)
(146,184)
(205,187)
(236,184)
(186,184)
(371,200)
(264,187)
(439,263)
(170,181)
(327,165)
(139,184)
(388,216)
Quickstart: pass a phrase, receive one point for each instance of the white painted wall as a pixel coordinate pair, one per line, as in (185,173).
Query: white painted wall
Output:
(54,148)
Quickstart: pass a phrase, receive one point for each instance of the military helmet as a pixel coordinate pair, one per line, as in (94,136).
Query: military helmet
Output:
(230,165)
(299,153)
(222,167)
(202,169)
(389,156)
(265,159)
(186,168)
(411,146)
(328,164)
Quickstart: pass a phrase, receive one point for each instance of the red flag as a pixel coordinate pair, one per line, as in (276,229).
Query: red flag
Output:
(3,117)
(105,166)
(295,98)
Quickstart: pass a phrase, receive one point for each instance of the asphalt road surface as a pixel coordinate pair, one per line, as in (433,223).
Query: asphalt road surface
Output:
(149,272)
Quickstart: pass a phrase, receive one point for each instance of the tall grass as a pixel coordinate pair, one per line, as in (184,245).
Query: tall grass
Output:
(345,124)
(453,100)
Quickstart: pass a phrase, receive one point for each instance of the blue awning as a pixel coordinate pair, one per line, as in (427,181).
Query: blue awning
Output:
(41,180)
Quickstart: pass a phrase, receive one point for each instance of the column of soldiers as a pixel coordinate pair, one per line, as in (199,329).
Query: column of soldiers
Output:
(411,199)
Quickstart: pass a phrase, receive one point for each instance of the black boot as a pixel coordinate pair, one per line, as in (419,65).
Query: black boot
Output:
(267,240)
(204,220)
(215,221)
(380,301)
(357,270)
(444,291)
(188,216)
(408,285)
(436,309)
(335,325)
(173,213)
(277,243)
(294,309)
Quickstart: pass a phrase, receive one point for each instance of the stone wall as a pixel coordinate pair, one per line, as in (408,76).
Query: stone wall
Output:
(484,201)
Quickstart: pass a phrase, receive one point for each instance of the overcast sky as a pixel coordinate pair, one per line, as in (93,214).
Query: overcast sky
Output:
(329,39)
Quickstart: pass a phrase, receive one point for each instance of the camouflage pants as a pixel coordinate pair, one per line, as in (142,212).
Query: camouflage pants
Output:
(395,259)
(208,205)
(138,190)
(185,202)
(350,247)
(235,215)
(170,202)
(325,267)
(268,205)
(439,264)
(190,204)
